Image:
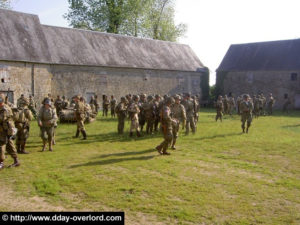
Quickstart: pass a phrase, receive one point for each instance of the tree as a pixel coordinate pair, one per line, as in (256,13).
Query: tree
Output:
(139,18)
(5,4)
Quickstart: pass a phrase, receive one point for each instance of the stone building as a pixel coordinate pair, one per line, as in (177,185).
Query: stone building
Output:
(38,59)
(265,67)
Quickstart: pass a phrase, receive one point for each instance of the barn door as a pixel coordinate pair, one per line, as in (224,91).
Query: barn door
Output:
(9,94)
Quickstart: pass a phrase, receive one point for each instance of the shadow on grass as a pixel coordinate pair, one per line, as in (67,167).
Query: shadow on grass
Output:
(108,137)
(112,161)
(127,153)
(220,135)
(291,126)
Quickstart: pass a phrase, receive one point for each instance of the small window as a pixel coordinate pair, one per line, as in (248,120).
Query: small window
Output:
(286,96)
(294,76)
(2,80)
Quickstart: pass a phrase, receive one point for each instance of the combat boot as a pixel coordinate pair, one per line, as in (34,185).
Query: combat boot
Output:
(77,134)
(173,145)
(138,134)
(83,134)
(130,134)
(165,152)
(15,164)
(23,149)
(19,149)
(44,146)
(1,165)
(158,148)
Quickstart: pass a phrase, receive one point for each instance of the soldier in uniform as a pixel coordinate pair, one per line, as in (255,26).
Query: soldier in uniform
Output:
(142,118)
(65,103)
(47,119)
(32,106)
(178,113)
(22,101)
(133,112)
(270,104)
(189,108)
(238,103)
(7,130)
(225,104)
(246,112)
(264,104)
(105,105)
(58,104)
(113,103)
(121,111)
(22,118)
(219,108)
(148,108)
(196,109)
(156,104)
(256,106)
(167,124)
(80,111)
(231,104)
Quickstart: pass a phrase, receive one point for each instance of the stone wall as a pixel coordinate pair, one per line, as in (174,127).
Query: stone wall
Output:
(25,78)
(71,80)
(254,82)
(41,79)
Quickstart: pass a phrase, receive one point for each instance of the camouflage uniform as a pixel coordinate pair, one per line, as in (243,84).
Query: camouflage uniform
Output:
(256,106)
(22,118)
(286,105)
(264,104)
(121,111)
(105,105)
(65,103)
(167,124)
(80,111)
(58,104)
(32,106)
(113,103)
(231,105)
(156,104)
(22,101)
(142,116)
(246,113)
(133,112)
(219,108)
(47,119)
(238,103)
(225,104)
(148,109)
(190,122)
(178,113)
(7,130)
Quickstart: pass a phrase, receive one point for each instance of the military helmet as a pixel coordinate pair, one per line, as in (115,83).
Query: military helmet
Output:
(150,97)
(47,102)
(135,98)
(246,96)
(177,97)
(170,100)
(157,96)
(123,98)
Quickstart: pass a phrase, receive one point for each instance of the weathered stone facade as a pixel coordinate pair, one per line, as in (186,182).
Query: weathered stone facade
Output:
(279,83)
(264,67)
(36,60)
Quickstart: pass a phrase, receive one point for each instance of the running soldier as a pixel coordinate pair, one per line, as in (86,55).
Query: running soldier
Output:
(80,111)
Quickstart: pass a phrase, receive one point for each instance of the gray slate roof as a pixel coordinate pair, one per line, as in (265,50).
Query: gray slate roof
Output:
(263,56)
(23,38)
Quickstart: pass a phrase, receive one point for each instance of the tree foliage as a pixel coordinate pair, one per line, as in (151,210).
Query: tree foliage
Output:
(5,4)
(139,18)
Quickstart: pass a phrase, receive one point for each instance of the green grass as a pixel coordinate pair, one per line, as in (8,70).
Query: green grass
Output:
(217,176)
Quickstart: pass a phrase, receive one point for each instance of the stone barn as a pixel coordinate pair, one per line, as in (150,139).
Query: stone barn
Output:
(265,67)
(37,59)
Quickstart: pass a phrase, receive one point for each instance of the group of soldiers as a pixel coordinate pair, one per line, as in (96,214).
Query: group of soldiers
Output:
(245,106)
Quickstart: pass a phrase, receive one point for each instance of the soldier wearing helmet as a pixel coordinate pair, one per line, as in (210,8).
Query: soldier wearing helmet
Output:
(121,111)
(246,112)
(133,113)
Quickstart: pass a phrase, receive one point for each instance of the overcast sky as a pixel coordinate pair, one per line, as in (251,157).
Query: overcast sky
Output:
(213,25)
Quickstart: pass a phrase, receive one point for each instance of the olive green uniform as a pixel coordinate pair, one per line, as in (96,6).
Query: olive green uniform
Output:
(270,105)
(80,110)
(149,112)
(121,111)
(190,119)
(178,113)
(113,103)
(47,119)
(6,132)
(167,124)
(22,118)
(219,109)
(133,112)
(246,114)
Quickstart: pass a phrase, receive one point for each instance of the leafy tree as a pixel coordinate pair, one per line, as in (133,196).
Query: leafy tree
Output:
(5,4)
(139,18)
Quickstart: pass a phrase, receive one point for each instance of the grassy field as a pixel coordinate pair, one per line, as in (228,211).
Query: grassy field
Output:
(217,176)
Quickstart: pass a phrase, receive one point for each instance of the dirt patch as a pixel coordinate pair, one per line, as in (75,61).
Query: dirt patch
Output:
(12,201)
